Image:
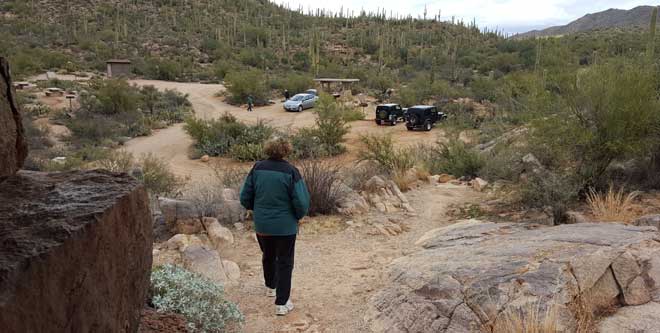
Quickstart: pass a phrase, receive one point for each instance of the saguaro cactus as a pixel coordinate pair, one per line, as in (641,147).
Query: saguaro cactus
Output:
(652,28)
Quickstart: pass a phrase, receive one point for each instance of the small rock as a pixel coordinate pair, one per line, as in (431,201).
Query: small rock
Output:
(575,217)
(239,226)
(648,221)
(219,235)
(205,158)
(301,325)
(479,184)
(180,242)
(189,226)
(445,178)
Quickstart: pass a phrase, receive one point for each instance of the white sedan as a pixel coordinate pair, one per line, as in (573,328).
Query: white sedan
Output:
(300,102)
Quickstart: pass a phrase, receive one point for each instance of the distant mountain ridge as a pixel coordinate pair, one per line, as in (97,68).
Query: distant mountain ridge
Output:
(611,18)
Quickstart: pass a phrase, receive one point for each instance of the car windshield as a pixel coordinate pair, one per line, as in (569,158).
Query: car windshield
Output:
(298,97)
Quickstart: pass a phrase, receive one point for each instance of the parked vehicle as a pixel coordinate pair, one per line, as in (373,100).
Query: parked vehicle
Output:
(300,102)
(423,117)
(389,113)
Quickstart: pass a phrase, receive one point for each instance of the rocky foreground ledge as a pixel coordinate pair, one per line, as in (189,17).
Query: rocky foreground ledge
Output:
(471,276)
(75,252)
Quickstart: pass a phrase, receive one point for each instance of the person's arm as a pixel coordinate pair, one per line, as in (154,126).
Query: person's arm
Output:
(300,197)
(247,191)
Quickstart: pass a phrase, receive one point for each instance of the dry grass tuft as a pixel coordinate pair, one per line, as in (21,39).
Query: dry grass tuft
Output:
(612,206)
(529,319)
(403,180)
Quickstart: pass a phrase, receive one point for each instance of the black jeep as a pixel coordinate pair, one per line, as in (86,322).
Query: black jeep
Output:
(389,113)
(423,117)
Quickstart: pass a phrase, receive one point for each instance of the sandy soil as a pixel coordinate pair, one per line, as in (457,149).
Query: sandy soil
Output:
(173,144)
(338,268)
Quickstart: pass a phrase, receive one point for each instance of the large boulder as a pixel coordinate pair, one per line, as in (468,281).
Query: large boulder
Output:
(472,274)
(75,252)
(13,147)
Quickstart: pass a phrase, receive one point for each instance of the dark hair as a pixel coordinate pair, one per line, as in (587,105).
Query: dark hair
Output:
(278,149)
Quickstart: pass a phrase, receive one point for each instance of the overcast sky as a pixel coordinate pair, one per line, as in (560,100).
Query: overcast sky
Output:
(508,15)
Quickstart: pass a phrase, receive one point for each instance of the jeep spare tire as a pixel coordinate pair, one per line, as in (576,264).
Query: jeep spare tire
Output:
(382,114)
(414,119)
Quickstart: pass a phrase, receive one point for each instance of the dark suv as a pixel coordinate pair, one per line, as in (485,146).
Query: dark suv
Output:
(423,117)
(389,113)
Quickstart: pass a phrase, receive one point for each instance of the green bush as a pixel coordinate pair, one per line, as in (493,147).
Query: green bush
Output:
(199,300)
(331,125)
(306,144)
(242,84)
(119,161)
(295,83)
(611,114)
(380,149)
(229,137)
(453,158)
(157,177)
(324,183)
(551,189)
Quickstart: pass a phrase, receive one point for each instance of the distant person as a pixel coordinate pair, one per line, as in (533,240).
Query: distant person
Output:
(287,95)
(250,102)
(278,196)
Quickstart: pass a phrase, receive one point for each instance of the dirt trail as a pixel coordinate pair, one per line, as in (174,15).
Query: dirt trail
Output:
(338,268)
(173,143)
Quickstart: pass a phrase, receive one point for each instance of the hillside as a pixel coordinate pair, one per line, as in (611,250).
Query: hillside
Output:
(637,17)
(202,40)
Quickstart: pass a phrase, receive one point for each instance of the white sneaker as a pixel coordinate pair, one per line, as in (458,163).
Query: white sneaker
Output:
(271,292)
(283,310)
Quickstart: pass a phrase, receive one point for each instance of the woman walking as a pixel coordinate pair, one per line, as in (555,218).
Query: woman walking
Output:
(277,194)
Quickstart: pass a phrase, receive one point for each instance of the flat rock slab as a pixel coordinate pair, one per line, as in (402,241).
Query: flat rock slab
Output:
(632,319)
(471,275)
(13,148)
(75,252)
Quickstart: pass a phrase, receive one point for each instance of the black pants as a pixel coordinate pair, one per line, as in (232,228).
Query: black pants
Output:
(277,260)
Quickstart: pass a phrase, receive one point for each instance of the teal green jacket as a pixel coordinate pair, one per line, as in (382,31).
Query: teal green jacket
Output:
(277,194)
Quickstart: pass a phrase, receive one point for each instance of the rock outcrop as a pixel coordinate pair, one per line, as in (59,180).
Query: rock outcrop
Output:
(473,274)
(13,148)
(75,252)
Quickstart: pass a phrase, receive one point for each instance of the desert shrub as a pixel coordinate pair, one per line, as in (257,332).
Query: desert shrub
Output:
(227,136)
(111,97)
(242,84)
(324,182)
(352,114)
(357,177)
(206,197)
(36,136)
(550,189)
(380,149)
(157,177)
(306,144)
(89,128)
(295,83)
(117,161)
(199,300)
(229,176)
(484,89)
(169,106)
(502,164)
(331,125)
(613,205)
(610,114)
(246,152)
(453,158)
